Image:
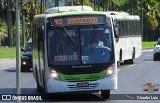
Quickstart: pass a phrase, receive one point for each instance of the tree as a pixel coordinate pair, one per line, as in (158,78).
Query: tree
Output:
(8,17)
(3,31)
(151,11)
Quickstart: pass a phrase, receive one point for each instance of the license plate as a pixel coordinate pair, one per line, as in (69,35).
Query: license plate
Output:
(84,84)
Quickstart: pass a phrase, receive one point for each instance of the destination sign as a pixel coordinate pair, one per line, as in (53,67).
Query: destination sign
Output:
(78,20)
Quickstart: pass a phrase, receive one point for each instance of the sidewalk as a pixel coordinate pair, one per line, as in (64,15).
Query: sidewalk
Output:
(6,63)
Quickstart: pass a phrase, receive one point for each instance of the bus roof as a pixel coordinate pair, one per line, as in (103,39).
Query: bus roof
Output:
(125,17)
(41,18)
(122,15)
(68,9)
(117,13)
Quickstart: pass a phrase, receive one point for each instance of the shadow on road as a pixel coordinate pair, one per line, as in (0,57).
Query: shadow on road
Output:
(10,70)
(149,60)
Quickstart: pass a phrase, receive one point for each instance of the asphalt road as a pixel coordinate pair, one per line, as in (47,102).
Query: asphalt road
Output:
(131,80)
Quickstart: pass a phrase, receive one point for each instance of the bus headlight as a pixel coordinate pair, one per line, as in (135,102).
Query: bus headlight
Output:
(53,74)
(110,71)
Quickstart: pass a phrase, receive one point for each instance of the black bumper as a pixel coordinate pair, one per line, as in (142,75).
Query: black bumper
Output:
(28,64)
(157,55)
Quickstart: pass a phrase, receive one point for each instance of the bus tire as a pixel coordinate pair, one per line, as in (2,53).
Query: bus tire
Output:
(120,55)
(130,61)
(155,58)
(118,64)
(105,94)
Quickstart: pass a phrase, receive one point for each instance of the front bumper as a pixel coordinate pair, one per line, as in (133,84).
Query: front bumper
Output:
(56,86)
(157,54)
(26,63)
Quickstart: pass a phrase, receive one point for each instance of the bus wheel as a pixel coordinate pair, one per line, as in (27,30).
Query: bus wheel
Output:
(105,94)
(118,64)
(120,55)
(155,58)
(130,61)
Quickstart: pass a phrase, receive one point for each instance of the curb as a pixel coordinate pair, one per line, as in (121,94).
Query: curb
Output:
(7,59)
(147,48)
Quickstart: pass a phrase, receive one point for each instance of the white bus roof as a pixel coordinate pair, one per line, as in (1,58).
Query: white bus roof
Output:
(67,9)
(117,13)
(122,17)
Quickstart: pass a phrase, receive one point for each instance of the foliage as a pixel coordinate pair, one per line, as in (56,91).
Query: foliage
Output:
(31,10)
(151,11)
(79,2)
(3,31)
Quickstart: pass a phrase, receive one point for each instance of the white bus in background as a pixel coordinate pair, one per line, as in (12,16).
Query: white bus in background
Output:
(129,45)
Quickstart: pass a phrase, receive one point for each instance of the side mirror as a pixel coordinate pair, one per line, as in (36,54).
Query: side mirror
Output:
(115,25)
(22,50)
(117,39)
(116,34)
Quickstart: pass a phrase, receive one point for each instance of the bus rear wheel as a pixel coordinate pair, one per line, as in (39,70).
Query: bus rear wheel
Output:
(105,94)
(130,61)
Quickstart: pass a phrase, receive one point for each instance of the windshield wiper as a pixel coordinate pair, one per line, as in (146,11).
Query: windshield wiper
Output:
(68,36)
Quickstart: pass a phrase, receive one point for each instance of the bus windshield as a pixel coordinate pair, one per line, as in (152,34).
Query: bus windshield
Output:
(92,45)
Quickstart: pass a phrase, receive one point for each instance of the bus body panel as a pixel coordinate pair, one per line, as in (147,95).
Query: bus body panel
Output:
(56,86)
(126,45)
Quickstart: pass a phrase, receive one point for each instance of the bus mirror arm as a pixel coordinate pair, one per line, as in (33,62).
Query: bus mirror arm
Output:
(116,34)
(117,39)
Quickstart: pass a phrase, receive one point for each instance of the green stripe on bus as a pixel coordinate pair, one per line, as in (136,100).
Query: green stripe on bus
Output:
(82,77)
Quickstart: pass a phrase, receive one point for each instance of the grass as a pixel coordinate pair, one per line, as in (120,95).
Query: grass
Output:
(7,52)
(148,44)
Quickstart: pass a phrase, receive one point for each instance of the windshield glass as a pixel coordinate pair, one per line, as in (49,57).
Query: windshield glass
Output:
(75,46)
(158,43)
(28,46)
